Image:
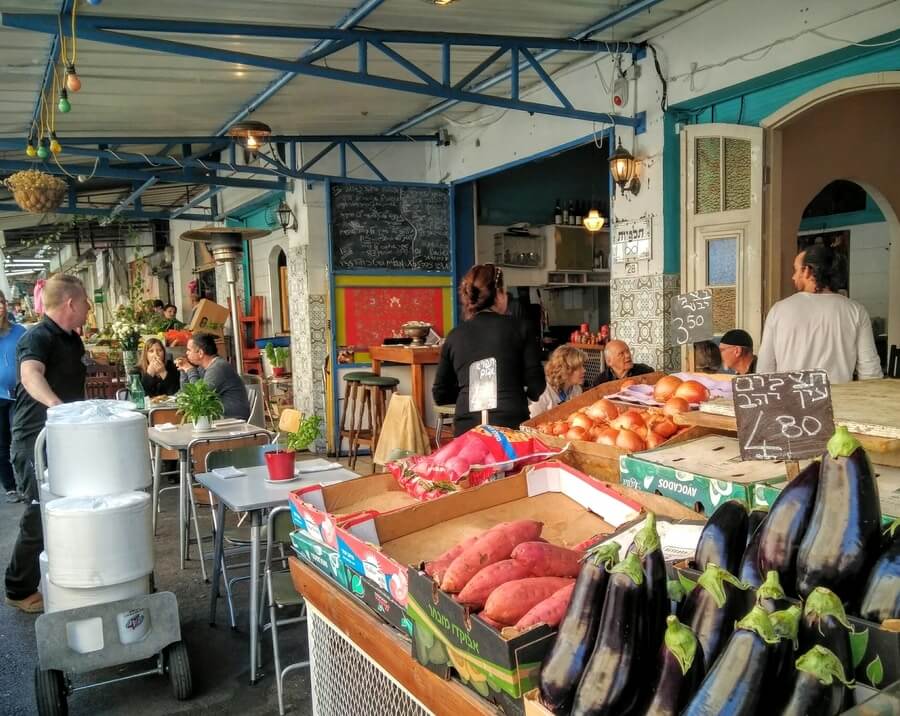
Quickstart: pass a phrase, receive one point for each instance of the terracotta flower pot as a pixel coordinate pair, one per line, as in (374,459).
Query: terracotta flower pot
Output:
(278,371)
(280,464)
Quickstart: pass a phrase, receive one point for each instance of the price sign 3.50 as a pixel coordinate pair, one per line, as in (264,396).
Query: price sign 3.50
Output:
(692,319)
(783,416)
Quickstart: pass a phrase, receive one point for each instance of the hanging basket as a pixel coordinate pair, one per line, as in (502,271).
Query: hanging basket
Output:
(35,191)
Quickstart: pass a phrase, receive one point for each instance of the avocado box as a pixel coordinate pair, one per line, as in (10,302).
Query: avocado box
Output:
(328,562)
(701,473)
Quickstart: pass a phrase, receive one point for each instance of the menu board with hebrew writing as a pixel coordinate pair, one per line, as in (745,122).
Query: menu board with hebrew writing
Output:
(783,416)
(390,227)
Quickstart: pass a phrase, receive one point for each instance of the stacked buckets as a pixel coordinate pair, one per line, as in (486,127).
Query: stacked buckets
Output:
(97,515)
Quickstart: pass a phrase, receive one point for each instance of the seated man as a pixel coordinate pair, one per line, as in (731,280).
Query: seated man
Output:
(736,349)
(620,364)
(201,362)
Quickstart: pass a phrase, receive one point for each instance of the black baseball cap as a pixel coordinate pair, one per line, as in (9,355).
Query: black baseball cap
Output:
(737,337)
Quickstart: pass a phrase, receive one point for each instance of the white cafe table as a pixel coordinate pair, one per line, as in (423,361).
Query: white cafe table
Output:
(181,439)
(252,492)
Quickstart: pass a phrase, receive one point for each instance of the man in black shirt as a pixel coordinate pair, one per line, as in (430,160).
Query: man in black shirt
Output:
(620,364)
(736,349)
(51,371)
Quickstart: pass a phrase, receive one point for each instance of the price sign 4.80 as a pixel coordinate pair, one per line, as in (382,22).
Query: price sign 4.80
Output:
(783,416)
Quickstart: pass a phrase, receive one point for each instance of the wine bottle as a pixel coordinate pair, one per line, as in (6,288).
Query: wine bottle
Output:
(571,212)
(565,213)
(557,214)
(578,213)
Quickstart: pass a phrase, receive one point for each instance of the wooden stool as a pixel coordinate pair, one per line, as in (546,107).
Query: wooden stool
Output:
(371,410)
(352,395)
(444,413)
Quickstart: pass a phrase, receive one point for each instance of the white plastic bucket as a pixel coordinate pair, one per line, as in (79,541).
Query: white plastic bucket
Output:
(58,598)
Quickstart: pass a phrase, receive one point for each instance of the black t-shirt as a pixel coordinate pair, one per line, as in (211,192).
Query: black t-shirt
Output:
(62,354)
(637,369)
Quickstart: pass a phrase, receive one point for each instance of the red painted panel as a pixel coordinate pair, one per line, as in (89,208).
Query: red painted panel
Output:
(373,314)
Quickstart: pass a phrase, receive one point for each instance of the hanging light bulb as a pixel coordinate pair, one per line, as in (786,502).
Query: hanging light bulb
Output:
(29,149)
(251,142)
(250,134)
(64,106)
(73,82)
(593,221)
(55,146)
(43,151)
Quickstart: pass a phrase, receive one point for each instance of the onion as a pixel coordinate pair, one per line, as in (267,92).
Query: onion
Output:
(674,406)
(607,436)
(654,439)
(692,392)
(581,420)
(628,420)
(602,409)
(560,427)
(543,428)
(665,388)
(629,441)
(665,428)
(576,433)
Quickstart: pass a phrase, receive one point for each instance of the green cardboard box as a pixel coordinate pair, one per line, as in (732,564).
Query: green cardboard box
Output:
(700,474)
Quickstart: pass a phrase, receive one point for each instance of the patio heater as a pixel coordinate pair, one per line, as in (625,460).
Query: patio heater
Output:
(226,244)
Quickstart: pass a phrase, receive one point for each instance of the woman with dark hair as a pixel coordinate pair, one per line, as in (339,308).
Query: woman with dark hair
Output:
(706,357)
(488,333)
(159,376)
(818,328)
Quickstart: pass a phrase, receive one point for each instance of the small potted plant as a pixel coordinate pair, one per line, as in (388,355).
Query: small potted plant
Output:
(280,462)
(277,357)
(200,404)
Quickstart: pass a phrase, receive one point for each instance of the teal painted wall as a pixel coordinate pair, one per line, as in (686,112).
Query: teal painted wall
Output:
(258,214)
(750,102)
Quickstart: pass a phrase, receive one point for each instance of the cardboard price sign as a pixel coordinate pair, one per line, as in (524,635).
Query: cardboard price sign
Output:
(483,386)
(692,319)
(783,416)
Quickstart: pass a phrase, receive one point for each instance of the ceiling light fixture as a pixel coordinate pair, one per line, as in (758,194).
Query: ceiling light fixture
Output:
(441,3)
(623,167)
(593,221)
(250,134)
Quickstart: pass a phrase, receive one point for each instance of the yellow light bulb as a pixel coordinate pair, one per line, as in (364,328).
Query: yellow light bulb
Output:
(55,147)
(251,142)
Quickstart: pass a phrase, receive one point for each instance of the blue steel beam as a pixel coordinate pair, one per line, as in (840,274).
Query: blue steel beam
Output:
(99,211)
(312,55)
(607,22)
(287,138)
(86,30)
(134,196)
(196,201)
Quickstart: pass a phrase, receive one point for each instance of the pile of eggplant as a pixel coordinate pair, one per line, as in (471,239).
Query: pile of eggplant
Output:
(763,630)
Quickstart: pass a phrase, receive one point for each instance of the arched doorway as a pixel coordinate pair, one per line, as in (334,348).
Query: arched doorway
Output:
(278,290)
(844,130)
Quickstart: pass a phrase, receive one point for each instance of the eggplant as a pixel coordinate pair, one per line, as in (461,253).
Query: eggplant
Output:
(780,676)
(711,609)
(612,683)
(881,597)
(577,632)
(749,571)
(754,522)
(737,682)
(819,687)
(841,543)
(680,670)
(786,525)
(769,595)
(647,547)
(723,538)
(825,624)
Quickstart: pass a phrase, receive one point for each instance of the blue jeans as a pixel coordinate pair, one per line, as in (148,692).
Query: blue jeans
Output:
(7,478)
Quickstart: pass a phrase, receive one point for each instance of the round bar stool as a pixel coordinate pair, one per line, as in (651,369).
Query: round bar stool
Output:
(376,391)
(352,394)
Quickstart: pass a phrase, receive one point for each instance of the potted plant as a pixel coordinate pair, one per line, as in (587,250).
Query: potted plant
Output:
(277,357)
(280,462)
(200,404)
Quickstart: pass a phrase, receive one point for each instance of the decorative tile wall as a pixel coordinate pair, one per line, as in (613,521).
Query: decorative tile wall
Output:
(640,317)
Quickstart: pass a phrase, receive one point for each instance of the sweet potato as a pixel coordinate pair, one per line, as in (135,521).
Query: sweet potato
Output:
(511,601)
(489,578)
(548,560)
(492,546)
(436,567)
(490,622)
(550,611)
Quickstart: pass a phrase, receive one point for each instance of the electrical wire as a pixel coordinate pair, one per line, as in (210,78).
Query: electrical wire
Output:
(663,101)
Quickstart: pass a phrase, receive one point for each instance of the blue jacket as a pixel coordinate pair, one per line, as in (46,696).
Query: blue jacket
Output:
(8,361)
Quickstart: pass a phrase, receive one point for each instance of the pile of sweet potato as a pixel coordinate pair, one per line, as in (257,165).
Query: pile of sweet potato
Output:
(509,575)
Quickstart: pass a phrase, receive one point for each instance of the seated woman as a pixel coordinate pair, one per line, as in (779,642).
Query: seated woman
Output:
(707,358)
(565,374)
(159,376)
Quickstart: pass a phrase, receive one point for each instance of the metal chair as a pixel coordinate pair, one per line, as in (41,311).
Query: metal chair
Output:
(443,413)
(280,594)
(157,416)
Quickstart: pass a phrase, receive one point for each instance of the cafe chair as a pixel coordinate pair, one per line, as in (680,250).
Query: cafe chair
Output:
(157,416)
(443,414)
(280,594)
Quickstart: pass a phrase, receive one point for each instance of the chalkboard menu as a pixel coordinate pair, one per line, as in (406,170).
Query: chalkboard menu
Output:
(390,227)
(783,416)
(692,317)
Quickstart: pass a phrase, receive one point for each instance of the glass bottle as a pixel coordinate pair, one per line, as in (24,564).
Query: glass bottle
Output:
(557,214)
(136,389)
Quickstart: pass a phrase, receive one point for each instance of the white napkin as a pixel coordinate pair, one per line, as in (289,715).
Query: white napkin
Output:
(166,426)
(317,465)
(227,472)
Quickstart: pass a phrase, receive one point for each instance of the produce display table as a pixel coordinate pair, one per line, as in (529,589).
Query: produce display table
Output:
(359,664)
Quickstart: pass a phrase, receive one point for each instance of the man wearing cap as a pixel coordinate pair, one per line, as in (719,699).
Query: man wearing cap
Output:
(736,349)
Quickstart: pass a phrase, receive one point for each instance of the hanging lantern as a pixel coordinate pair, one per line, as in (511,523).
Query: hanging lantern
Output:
(64,106)
(593,221)
(623,166)
(250,134)
(286,217)
(73,81)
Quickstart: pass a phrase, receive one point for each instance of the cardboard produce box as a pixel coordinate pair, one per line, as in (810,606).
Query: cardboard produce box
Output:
(209,317)
(701,473)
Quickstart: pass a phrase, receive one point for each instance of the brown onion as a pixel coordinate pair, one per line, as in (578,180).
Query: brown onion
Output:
(674,406)
(692,392)
(629,441)
(665,388)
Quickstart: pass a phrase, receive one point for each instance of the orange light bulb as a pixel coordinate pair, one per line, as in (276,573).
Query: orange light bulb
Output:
(73,81)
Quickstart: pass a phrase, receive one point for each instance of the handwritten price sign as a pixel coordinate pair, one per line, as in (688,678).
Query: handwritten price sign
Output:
(483,385)
(783,416)
(692,319)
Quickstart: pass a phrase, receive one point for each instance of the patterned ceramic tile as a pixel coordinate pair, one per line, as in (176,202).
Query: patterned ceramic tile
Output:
(640,317)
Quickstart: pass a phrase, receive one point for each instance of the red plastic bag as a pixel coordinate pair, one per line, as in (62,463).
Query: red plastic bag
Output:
(482,454)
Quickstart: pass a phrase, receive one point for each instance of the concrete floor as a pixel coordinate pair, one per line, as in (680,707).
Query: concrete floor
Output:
(219,655)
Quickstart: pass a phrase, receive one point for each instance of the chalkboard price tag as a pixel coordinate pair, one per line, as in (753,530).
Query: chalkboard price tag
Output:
(783,416)
(692,319)
(483,385)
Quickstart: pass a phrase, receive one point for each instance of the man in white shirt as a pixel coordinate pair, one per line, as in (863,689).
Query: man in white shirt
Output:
(817,328)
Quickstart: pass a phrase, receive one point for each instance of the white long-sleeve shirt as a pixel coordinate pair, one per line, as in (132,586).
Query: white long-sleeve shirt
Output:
(819,331)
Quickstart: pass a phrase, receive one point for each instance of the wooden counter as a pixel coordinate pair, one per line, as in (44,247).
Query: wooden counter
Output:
(384,646)
(415,357)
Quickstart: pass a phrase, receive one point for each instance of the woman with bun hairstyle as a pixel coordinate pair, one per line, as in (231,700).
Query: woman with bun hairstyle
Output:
(565,374)
(817,328)
(488,333)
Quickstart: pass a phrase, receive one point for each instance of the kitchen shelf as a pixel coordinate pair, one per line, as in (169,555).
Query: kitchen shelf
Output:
(566,279)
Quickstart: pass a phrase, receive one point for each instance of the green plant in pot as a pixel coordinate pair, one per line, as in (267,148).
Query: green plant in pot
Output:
(200,404)
(277,357)
(280,462)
